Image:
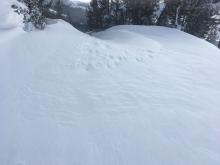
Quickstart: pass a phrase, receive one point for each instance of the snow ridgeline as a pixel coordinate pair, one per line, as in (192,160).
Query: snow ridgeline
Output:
(131,95)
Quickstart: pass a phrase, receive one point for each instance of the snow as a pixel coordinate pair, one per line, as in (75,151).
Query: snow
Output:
(8,19)
(131,95)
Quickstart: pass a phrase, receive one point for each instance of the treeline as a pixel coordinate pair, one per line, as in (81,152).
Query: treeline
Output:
(35,12)
(106,13)
(196,17)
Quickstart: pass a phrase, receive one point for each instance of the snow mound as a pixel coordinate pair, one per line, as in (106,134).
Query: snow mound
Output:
(8,18)
(132,95)
(128,36)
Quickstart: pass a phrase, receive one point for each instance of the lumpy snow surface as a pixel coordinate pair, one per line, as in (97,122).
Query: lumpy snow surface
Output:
(131,95)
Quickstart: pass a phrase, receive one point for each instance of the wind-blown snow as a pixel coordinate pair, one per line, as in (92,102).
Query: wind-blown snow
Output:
(132,95)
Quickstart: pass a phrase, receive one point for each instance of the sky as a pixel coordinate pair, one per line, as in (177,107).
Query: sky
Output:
(84,0)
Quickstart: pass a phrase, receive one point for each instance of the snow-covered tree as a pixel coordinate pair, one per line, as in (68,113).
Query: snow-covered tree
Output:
(94,19)
(192,16)
(140,12)
(98,14)
(105,10)
(104,13)
(32,11)
(117,11)
(198,18)
(170,15)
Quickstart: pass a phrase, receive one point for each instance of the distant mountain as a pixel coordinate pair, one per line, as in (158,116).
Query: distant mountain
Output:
(72,11)
(76,11)
(76,4)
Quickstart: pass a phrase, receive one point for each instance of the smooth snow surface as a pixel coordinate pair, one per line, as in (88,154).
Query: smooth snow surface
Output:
(8,18)
(131,95)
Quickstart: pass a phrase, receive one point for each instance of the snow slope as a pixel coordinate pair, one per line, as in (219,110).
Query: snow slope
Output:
(131,95)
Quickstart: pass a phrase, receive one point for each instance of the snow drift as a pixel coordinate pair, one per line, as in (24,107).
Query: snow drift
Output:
(131,95)
(8,19)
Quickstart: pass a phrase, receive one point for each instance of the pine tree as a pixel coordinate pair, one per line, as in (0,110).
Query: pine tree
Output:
(98,14)
(94,19)
(140,12)
(191,16)
(32,13)
(170,15)
(105,12)
(117,12)
(198,19)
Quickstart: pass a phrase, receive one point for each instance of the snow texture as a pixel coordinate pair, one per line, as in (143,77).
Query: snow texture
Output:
(8,19)
(131,95)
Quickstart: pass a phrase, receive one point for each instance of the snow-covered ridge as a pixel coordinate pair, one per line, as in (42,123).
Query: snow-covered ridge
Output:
(131,95)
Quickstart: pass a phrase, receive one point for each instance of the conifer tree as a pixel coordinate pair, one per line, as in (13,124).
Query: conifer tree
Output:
(198,18)
(191,16)
(32,13)
(140,12)
(105,12)
(170,15)
(98,14)
(117,12)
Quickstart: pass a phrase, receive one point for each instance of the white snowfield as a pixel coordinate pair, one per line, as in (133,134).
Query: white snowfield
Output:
(131,95)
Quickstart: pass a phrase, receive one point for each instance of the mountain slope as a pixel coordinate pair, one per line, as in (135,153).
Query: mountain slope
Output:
(129,95)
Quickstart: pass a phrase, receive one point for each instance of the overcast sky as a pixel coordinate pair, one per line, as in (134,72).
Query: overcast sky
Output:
(85,0)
